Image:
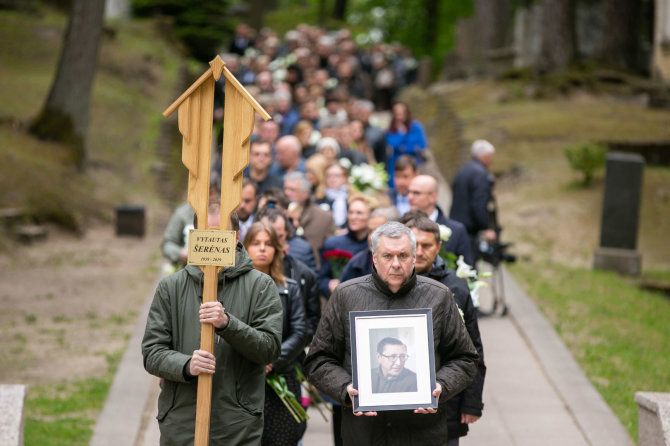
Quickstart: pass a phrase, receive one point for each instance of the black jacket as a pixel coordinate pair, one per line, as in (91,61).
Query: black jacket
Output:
(328,363)
(300,249)
(360,265)
(469,401)
(459,242)
(293,340)
(309,291)
(471,194)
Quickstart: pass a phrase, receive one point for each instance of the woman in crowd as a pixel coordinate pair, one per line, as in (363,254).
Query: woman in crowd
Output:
(355,239)
(304,130)
(329,148)
(262,244)
(405,136)
(359,143)
(337,192)
(315,171)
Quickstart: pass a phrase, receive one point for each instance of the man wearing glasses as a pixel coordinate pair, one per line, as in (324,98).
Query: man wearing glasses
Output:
(423,197)
(391,375)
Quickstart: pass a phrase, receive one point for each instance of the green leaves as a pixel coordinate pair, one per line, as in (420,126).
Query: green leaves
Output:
(586,157)
(278,383)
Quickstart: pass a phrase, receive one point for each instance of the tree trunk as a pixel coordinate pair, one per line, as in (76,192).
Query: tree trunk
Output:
(340,9)
(255,13)
(65,115)
(485,23)
(558,35)
(431,7)
(620,43)
(503,31)
(495,27)
(321,13)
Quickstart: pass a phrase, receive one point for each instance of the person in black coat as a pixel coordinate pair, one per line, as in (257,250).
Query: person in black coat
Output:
(423,196)
(405,171)
(243,39)
(466,407)
(393,285)
(472,194)
(353,241)
(262,244)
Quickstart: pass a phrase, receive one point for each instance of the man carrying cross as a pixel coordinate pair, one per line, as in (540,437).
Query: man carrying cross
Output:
(247,320)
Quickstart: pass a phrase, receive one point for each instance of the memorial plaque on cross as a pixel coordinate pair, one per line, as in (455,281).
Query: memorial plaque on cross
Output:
(195,111)
(620,214)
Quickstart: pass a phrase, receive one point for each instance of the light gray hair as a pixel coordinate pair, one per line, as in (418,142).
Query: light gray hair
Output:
(481,147)
(392,229)
(282,95)
(328,142)
(305,185)
(388,212)
(364,104)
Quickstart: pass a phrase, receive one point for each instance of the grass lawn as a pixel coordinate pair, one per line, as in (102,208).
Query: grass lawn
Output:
(618,333)
(65,413)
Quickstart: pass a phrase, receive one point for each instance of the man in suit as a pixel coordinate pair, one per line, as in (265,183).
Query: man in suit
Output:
(423,196)
(288,156)
(260,160)
(473,194)
(405,171)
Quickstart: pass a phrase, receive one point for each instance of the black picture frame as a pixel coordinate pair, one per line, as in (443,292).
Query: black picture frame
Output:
(404,377)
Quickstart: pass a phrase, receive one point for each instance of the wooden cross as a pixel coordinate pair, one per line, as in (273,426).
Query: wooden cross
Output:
(196,107)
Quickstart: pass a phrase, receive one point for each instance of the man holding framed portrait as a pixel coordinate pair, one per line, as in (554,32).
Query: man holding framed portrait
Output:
(392,302)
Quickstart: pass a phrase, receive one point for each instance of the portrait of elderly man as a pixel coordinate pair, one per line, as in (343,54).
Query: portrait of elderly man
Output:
(392,285)
(391,375)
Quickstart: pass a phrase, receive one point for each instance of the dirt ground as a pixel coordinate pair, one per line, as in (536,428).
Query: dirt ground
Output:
(69,302)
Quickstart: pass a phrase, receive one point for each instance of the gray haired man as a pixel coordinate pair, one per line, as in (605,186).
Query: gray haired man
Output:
(392,285)
(311,222)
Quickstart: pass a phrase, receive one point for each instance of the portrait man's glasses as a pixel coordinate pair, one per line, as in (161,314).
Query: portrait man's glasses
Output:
(394,358)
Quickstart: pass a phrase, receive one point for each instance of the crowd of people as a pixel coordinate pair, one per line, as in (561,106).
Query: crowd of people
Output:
(323,91)
(316,237)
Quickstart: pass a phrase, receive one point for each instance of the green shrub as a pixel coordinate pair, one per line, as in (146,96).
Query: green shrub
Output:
(586,157)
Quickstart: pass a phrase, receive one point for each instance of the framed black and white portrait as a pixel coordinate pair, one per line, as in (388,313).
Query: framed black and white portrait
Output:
(393,359)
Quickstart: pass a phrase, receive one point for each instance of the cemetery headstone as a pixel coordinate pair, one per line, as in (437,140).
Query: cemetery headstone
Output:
(620,215)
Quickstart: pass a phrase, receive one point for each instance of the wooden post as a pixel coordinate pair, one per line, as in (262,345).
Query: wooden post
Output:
(204,403)
(196,107)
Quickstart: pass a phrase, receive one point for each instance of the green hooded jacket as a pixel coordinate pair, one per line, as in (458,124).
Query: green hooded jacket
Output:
(251,340)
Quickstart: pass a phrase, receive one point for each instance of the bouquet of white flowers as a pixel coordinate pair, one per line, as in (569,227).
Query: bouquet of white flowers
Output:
(465,271)
(368,179)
